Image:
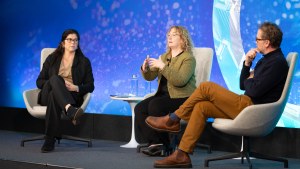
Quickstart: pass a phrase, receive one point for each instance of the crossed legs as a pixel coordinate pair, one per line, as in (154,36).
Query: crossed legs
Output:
(208,100)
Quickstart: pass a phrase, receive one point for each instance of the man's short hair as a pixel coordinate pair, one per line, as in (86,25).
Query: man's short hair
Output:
(272,33)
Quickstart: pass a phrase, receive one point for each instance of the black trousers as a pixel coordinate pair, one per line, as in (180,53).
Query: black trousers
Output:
(56,96)
(158,105)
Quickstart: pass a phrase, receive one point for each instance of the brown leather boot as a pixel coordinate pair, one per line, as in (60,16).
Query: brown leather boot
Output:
(179,159)
(163,123)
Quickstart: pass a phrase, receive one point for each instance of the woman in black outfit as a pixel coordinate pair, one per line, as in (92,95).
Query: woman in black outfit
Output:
(65,78)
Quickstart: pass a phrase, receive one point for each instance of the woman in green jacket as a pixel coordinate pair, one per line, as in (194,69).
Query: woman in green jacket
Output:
(176,82)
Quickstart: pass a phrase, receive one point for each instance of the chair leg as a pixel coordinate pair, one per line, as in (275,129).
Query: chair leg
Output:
(89,141)
(208,147)
(245,152)
(245,149)
(267,157)
(41,137)
(221,157)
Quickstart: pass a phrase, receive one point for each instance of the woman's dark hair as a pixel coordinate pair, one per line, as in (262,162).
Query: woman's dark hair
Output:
(272,33)
(59,51)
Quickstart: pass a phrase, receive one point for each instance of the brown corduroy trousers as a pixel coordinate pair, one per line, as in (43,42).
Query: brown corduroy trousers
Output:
(208,100)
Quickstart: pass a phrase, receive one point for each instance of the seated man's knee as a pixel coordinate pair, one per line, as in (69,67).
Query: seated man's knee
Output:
(207,83)
(203,107)
(206,86)
(203,104)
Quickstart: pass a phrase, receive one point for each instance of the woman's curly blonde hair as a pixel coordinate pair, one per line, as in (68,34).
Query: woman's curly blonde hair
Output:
(187,44)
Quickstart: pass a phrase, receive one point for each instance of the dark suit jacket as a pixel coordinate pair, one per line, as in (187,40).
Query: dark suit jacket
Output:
(81,72)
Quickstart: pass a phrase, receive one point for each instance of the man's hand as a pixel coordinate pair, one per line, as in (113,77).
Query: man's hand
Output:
(250,56)
(251,74)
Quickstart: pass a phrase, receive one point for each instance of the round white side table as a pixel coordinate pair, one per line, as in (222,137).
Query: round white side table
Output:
(133,101)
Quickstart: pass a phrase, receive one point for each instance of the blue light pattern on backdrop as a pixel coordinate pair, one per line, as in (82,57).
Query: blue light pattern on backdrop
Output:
(228,42)
(117,36)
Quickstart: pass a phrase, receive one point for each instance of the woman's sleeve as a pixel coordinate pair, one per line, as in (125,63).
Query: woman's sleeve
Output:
(88,83)
(44,75)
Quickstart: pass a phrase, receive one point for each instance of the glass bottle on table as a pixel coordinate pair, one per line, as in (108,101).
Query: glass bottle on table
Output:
(147,88)
(133,86)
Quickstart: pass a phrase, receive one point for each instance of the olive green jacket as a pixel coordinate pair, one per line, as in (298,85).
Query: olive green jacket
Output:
(179,74)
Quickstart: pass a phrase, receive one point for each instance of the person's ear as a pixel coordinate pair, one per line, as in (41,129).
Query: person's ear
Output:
(267,43)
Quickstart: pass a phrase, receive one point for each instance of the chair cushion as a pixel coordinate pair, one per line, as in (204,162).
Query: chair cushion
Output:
(39,108)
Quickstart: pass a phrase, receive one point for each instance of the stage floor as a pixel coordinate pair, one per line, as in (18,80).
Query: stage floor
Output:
(107,155)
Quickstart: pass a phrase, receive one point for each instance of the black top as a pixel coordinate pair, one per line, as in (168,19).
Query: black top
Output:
(163,86)
(269,78)
(163,89)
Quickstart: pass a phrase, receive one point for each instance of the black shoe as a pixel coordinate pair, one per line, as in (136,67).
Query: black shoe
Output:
(48,145)
(74,114)
(154,150)
(140,147)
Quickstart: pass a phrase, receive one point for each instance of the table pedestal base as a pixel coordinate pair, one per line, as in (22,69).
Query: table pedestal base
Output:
(132,144)
(133,101)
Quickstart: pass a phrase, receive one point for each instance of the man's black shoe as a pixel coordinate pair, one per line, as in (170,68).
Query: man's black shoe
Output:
(48,145)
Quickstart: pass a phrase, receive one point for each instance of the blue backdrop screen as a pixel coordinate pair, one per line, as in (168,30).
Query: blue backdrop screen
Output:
(117,35)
